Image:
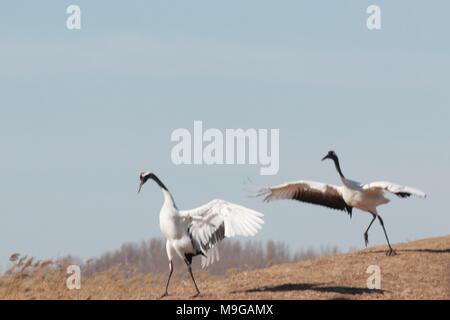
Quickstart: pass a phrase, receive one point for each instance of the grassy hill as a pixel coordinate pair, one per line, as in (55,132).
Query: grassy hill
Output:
(421,270)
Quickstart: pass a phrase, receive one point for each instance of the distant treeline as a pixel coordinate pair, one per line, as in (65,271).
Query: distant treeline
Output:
(150,257)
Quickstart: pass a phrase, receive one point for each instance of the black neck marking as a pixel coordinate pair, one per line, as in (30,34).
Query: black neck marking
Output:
(156,179)
(338,166)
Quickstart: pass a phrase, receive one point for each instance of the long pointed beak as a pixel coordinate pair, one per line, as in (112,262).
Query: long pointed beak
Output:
(324,158)
(140,187)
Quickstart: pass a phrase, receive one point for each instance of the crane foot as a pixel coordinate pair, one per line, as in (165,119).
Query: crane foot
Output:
(391,252)
(164,295)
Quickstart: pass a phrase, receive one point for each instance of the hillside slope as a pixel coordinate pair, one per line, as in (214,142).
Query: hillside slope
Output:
(421,270)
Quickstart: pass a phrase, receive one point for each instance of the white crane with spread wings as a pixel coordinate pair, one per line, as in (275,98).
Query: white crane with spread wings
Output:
(352,194)
(196,232)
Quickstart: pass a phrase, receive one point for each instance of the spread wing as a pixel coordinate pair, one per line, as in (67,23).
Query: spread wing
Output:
(318,193)
(217,220)
(401,191)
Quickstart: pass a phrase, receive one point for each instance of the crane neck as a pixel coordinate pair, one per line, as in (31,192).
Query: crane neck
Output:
(338,167)
(167,195)
(158,181)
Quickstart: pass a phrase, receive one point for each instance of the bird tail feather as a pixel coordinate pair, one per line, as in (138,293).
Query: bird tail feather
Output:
(210,257)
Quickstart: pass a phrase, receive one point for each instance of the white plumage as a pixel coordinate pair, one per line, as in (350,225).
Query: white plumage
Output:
(352,194)
(197,231)
(216,220)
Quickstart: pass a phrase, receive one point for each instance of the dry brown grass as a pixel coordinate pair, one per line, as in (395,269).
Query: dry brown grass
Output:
(421,270)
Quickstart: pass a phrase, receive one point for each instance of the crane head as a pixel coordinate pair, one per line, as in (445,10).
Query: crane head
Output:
(330,155)
(143,177)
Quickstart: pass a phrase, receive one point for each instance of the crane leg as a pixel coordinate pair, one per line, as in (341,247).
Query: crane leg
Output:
(390,252)
(366,234)
(188,261)
(166,293)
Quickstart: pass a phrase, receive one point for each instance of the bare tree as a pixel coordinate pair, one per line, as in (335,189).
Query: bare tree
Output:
(149,256)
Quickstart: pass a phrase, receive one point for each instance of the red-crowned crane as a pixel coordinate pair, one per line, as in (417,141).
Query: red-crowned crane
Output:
(352,194)
(195,232)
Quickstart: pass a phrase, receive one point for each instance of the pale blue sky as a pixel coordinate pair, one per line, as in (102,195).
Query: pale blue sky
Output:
(82,112)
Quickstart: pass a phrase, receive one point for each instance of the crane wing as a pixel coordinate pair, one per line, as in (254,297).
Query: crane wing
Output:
(308,191)
(219,219)
(401,191)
